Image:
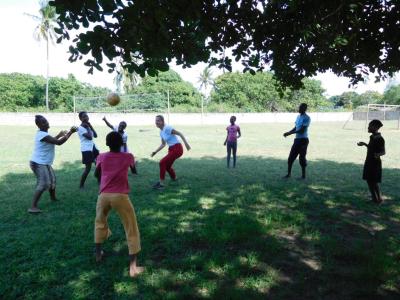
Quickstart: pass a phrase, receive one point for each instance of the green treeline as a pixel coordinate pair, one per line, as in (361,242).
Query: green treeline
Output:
(24,92)
(241,92)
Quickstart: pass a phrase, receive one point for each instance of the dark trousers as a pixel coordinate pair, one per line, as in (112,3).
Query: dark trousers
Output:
(231,148)
(299,148)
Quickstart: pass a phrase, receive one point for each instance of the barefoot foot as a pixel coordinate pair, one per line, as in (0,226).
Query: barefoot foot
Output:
(135,271)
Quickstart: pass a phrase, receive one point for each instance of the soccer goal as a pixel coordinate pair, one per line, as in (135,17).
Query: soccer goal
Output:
(155,102)
(389,115)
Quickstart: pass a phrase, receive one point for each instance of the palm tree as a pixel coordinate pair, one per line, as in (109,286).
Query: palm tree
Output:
(205,79)
(128,80)
(47,20)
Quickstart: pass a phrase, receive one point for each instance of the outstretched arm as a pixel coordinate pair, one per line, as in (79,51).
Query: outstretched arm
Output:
(61,134)
(59,141)
(290,132)
(108,123)
(159,148)
(182,137)
(362,144)
(293,131)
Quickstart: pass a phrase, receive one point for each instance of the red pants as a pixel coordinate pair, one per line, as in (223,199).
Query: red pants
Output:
(174,152)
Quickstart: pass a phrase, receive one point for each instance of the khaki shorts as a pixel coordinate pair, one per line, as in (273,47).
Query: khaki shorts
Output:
(46,179)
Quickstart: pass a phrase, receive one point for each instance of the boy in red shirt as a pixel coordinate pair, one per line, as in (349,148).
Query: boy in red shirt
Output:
(112,172)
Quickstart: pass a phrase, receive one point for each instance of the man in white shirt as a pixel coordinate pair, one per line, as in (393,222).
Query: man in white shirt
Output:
(42,159)
(89,151)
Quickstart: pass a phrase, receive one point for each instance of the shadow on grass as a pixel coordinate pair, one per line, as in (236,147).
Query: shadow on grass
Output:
(216,233)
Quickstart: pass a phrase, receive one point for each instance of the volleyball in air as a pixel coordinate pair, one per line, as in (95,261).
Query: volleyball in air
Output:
(113,99)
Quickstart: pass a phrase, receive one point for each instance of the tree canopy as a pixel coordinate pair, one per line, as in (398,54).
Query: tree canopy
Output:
(259,92)
(24,91)
(294,38)
(180,91)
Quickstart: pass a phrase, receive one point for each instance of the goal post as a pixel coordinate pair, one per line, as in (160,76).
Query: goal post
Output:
(388,114)
(154,102)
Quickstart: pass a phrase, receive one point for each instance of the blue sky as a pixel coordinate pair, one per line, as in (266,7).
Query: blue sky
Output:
(21,53)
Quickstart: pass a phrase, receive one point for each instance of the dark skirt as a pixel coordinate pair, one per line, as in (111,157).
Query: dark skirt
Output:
(89,157)
(373,170)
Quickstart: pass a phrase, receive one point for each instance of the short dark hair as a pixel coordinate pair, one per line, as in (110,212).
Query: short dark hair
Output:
(114,141)
(81,114)
(161,117)
(38,118)
(304,105)
(376,123)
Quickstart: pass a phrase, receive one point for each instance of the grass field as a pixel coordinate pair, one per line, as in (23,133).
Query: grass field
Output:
(217,233)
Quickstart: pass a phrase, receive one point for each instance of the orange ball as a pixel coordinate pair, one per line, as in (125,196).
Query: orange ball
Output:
(113,99)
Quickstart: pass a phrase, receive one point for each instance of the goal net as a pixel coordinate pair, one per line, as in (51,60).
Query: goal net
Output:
(138,103)
(389,115)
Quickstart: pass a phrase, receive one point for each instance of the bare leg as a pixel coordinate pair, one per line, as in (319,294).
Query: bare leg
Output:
(85,174)
(134,270)
(234,149)
(228,155)
(35,200)
(303,160)
(53,194)
(378,193)
(372,190)
(292,157)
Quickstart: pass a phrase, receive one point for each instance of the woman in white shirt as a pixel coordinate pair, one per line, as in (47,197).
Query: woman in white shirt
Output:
(42,159)
(175,150)
(89,151)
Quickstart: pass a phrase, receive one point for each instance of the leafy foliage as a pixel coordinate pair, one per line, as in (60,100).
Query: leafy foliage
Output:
(22,91)
(294,38)
(260,92)
(350,100)
(181,92)
(392,95)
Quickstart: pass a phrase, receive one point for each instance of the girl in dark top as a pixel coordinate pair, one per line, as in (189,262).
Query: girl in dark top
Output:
(373,165)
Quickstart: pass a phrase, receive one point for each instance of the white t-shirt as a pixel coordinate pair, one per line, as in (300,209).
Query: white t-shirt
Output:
(124,139)
(86,144)
(168,137)
(43,153)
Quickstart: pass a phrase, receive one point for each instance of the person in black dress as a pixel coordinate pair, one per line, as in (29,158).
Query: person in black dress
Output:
(373,165)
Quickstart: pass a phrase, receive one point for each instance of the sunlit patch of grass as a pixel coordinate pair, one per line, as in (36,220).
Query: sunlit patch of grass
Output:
(217,233)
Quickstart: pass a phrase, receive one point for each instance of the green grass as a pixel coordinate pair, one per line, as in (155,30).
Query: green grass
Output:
(216,234)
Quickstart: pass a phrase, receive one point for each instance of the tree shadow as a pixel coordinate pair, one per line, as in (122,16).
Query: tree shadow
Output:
(216,233)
